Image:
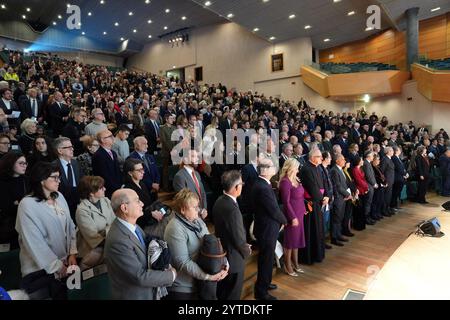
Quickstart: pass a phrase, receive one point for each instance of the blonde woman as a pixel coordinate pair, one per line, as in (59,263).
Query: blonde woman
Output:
(292,196)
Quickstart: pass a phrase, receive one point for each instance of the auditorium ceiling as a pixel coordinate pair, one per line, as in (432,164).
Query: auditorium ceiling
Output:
(328,22)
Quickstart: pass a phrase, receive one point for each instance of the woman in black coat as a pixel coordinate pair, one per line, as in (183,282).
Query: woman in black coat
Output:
(14,186)
(422,173)
(41,151)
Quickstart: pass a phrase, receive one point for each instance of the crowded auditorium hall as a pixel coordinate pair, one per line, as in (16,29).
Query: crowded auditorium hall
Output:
(182,150)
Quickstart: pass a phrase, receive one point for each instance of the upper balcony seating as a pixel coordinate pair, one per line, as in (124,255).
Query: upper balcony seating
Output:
(339,68)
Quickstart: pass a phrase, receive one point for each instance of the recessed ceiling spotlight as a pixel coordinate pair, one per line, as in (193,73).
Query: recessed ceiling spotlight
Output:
(183,18)
(230,15)
(102,1)
(335,1)
(292,16)
(435,9)
(147,1)
(167,10)
(24,16)
(28,9)
(369,29)
(272,38)
(83,33)
(105,33)
(3,6)
(174,67)
(68,5)
(130,13)
(116,24)
(326,40)
(54,23)
(134,30)
(265,1)
(307,27)
(79,24)
(89,14)
(149,36)
(207,3)
(351,13)
(165,28)
(121,39)
(256,30)
(59,16)
(149,21)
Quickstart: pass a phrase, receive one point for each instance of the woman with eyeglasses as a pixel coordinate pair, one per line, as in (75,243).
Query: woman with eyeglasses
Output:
(184,234)
(47,237)
(133,170)
(14,186)
(94,217)
(40,152)
(91,146)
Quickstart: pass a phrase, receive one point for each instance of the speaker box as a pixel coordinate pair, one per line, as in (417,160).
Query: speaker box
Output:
(431,228)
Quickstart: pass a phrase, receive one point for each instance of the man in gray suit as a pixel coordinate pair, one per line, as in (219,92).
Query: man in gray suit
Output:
(189,178)
(342,193)
(126,253)
(372,184)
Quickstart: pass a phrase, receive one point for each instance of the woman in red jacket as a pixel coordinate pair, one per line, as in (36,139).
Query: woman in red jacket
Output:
(359,220)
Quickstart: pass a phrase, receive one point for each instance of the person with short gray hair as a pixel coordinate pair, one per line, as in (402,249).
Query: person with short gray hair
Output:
(126,253)
(229,227)
(97,124)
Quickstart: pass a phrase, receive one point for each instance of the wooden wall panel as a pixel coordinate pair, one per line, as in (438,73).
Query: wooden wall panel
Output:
(390,45)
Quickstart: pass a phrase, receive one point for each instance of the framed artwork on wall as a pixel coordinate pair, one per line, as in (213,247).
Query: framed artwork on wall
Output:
(277,62)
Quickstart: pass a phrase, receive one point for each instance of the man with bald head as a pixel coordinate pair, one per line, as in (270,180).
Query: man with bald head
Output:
(268,221)
(105,163)
(59,114)
(126,253)
(31,106)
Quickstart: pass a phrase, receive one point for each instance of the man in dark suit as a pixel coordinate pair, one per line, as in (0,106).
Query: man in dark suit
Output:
(74,130)
(152,131)
(8,106)
(105,163)
(151,173)
(387,167)
(31,106)
(342,194)
(59,114)
(70,173)
(188,177)
(268,221)
(356,133)
(126,253)
(343,142)
(229,227)
(371,183)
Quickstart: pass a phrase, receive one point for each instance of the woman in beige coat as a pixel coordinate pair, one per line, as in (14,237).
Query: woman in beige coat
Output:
(94,217)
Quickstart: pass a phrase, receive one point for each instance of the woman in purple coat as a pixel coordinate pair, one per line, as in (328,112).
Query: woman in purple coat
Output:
(292,196)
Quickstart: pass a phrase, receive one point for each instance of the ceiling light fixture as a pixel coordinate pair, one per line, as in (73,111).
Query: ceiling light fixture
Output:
(149,36)
(59,16)
(369,29)
(230,15)
(165,28)
(307,27)
(435,9)
(28,9)
(130,13)
(24,16)
(3,6)
(336,1)
(183,18)
(326,40)
(265,1)
(272,38)
(256,30)
(54,23)
(102,2)
(83,33)
(167,10)
(351,13)
(134,30)
(207,3)
(121,39)
(116,24)
(89,14)
(147,1)
(104,33)
(292,16)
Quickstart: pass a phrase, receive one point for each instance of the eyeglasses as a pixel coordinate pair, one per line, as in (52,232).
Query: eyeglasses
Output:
(111,136)
(55,178)
(22,163)
(68,147)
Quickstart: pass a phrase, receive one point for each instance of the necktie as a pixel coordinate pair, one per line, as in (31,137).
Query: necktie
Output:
(197,186)
(156,128)
(139,235)
(110,154)
(33,108)
(70,174)
(144,159)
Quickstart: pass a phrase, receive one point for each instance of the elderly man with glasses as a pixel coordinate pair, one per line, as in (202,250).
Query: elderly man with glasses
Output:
(97,124)
(70,173)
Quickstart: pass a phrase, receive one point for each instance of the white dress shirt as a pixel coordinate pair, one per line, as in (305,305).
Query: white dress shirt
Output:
(64,164)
